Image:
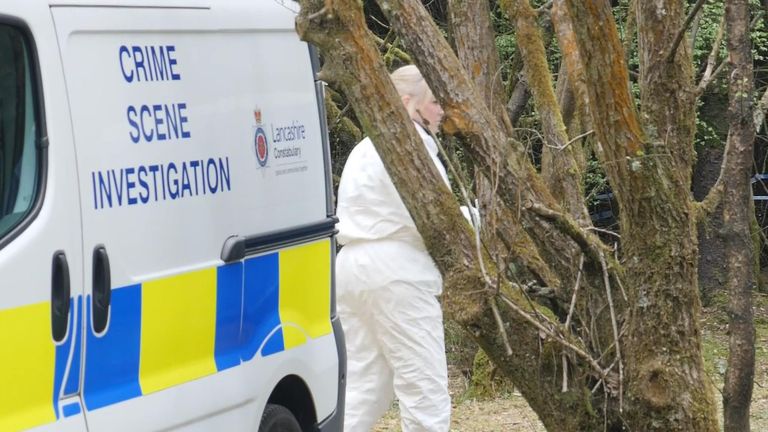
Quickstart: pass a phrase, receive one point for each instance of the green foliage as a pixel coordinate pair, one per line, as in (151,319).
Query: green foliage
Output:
(706,33)
(759,32)
(506,46)
(706,135)
(595,182)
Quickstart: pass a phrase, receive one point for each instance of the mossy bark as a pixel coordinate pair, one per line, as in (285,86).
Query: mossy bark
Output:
(648,166)
(656,326)
(561,167)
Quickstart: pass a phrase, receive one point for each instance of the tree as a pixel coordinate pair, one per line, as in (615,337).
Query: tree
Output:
(618,345)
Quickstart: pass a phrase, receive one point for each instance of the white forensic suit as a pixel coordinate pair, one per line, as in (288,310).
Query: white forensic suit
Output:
(387,285)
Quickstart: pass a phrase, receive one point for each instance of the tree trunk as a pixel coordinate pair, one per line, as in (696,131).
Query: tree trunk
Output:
(472,31)
(667,387)
(641,313)
(737,214)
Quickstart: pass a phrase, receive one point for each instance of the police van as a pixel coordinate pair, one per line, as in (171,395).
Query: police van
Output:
(166,227)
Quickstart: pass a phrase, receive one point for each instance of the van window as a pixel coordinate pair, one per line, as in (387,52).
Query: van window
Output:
(19,176)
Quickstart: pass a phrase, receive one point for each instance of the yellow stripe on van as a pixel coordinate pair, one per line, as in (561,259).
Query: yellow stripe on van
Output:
(27,365)
(178,327)
(305,292)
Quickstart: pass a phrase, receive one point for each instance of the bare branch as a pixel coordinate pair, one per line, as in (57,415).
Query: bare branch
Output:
(392,48)
(557,338)
(604,231)
(568,319)
(578,137)
(709,75)
(682,31)
(615,328)
(585,240)
(500,323)
(545,7)
(575,291)
(705,207)
(473,37)
(558,168)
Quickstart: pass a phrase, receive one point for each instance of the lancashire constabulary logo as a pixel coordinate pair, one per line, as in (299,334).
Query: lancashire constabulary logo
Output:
(260,141)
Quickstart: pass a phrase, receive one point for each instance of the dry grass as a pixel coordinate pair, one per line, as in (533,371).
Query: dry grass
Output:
(510,412)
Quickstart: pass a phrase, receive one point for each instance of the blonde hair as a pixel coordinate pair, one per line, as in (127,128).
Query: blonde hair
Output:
(409,82)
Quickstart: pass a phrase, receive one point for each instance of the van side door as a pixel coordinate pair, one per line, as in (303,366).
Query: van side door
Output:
(40,237)
(162,310)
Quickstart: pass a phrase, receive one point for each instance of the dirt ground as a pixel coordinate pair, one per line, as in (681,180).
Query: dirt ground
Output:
(510,412)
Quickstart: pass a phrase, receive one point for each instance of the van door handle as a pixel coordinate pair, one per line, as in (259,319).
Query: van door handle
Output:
(102,289)
(60,293)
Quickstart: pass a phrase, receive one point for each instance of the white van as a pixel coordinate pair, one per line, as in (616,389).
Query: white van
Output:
(166,227)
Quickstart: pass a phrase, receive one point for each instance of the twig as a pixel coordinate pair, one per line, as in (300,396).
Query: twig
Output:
(605,409)
(545,7)
(565,146)
(568,319)
(569,228)
(714,53)
(604,231)
(621,286)
(386,38)
(616,275)
(565,374)
(391,48)
(683,29)
(575,292)
(584,135)
(342,113)
(609,347)
(324,10)
(615,328)
(378,21)
(554,336)
(500,323)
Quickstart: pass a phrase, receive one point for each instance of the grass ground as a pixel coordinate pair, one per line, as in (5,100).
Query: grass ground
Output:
(508,412)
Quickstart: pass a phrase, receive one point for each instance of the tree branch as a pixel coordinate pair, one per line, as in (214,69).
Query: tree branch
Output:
(473,37)
(614,326)
(708,76)
(555,337)
(561,170)
(586,241)
(392,49)
(707,206)
(683,29)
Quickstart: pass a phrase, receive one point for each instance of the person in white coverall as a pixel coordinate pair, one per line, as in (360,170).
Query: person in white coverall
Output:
(387,286)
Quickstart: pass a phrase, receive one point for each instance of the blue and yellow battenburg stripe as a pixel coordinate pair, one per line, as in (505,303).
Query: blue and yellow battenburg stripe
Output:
(165,332)
(34,370)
